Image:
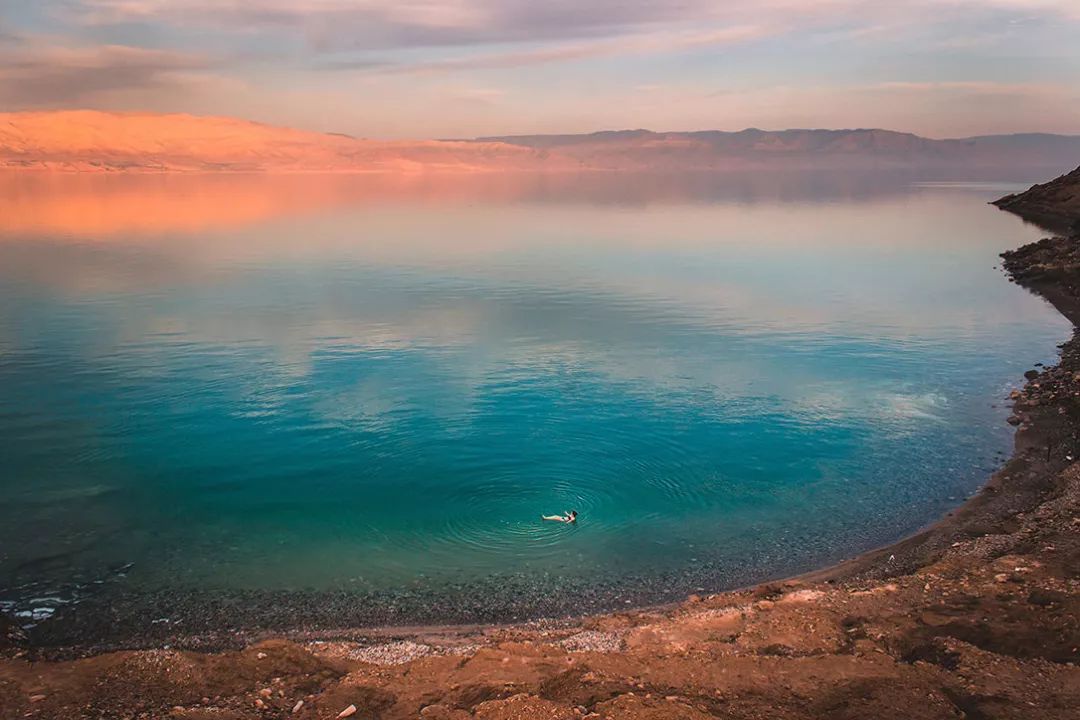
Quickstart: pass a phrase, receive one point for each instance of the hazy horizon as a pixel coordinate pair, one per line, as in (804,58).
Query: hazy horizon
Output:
(469,68)
(511,132)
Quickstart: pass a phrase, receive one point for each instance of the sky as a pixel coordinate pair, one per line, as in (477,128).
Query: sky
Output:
(466,68)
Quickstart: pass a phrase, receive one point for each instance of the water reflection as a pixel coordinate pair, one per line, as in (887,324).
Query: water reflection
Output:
(105,205)
(796,251)
(230,380)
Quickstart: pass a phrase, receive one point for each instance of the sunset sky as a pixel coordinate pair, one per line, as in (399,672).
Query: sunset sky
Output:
(449,68)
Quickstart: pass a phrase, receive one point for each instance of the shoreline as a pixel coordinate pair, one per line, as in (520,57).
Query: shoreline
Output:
(301,615)
(237,618)
(931,620)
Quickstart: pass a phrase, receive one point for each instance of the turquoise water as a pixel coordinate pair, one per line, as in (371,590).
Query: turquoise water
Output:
(337,388)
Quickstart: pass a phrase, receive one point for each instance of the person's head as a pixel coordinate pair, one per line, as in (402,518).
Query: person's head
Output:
(573,513)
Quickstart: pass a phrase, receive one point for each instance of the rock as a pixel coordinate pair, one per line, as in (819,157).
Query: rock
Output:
(1031,374)
(260,656)
(37,698)
(11,635)
(347,712)
(266,692)
(1047,598)
(296,708)
(1013,420)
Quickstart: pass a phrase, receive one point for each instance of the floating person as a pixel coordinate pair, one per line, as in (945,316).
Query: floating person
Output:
(567,517)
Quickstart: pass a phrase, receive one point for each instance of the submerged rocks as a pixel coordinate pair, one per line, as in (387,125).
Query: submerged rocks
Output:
(12,637)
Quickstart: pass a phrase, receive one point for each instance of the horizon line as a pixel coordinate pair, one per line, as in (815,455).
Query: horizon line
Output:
(213,116)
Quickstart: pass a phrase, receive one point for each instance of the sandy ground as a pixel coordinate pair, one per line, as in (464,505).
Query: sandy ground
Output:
(977,617)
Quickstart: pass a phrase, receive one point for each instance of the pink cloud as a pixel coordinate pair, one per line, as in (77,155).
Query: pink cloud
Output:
(382,24)
(44,71)
(631,45)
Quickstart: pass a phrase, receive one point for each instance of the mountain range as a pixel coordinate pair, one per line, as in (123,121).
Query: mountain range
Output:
(92,141)
(89,141)
(713,149)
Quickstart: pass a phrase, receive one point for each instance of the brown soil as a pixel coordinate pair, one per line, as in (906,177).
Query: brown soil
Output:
(977,617)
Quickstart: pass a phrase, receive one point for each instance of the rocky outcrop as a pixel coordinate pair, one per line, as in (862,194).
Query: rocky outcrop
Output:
(1055,204)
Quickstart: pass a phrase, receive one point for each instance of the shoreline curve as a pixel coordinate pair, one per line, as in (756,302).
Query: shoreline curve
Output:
(977,615)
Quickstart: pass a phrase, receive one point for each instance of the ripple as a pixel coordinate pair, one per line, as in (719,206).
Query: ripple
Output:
(698,382)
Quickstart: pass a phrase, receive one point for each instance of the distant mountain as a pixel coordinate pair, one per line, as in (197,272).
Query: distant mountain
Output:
(712,149)
(1055,204)
(98,141)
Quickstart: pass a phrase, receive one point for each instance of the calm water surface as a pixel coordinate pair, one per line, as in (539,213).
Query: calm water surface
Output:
(375,387)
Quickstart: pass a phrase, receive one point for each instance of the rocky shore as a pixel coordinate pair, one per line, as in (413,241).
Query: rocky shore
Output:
(976,617)
(1055,204)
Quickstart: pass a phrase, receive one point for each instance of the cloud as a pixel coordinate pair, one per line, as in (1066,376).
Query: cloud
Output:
(283,59)
(1061,8)
(432,36)
(631,45)
(548,31)
(975,87)
(343,25)
(382,24)
(34,73)
(474,95)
